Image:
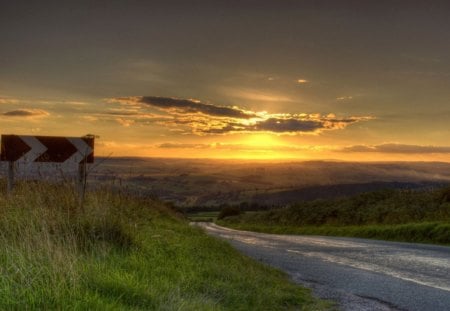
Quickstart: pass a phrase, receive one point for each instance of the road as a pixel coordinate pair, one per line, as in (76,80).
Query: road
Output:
(358,274)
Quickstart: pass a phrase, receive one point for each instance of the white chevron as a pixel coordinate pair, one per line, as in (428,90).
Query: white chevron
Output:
(83,150)
(37,149)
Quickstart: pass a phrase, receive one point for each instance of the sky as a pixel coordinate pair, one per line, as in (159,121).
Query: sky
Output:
(277,80)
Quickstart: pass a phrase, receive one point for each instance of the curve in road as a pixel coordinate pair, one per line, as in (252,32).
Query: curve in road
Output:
(359,274)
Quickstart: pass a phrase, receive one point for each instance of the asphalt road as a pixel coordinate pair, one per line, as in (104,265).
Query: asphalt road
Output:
(358,274)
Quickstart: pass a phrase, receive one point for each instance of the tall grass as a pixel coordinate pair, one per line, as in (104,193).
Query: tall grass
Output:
(123,253)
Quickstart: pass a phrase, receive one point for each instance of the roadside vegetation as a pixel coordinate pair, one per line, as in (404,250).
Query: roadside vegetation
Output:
(209,216)
(117,252)
(400,215)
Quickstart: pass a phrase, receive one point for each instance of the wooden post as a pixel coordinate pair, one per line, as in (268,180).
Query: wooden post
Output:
(10,184)
(81,182)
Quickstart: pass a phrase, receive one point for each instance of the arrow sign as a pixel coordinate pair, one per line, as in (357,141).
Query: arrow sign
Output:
(26,149)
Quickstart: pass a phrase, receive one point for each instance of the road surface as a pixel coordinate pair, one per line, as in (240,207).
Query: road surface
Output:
(358,274)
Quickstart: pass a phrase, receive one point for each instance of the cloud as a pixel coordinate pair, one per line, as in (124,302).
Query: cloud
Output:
(275,125)
(398,148)
(125,116)
(254,95)
(344,97)
(90,118)
(7,100)
(284,124)
(288,125)
(125,122)
(186,106)
(193,116)
(26,113)
(76,103)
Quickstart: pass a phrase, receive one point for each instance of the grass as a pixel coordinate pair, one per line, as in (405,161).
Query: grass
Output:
(428,232)
(397,215)
(123,253)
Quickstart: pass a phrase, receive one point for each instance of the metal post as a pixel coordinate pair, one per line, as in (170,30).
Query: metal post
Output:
(81,182)
(10,184)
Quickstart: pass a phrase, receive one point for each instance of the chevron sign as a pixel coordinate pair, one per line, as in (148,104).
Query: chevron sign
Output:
(26,149)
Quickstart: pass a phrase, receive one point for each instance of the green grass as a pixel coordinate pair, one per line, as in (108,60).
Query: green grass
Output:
(397,215)
(122,253)
(428,232)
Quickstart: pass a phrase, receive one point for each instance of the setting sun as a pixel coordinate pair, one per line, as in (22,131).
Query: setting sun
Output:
(313,88)
(264,141)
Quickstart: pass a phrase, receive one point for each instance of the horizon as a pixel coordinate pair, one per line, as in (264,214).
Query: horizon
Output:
(269,160)
(253,81)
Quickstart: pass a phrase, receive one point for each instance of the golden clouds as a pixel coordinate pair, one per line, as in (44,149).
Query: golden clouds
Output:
(255,95)
(124,122)
(193,116)
(8,100)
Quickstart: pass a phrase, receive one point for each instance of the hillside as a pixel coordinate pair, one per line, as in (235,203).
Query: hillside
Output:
(118,252)
(310,193)
(206,182)
(402,214)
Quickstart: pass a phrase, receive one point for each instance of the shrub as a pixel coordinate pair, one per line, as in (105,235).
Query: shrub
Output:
(228,211)
(381,207)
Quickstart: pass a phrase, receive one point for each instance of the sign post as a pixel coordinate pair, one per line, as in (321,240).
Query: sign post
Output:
(10,181)
(81,182)
(24,149)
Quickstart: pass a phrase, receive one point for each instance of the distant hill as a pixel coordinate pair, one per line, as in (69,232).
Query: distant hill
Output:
(207,182)
(336,191)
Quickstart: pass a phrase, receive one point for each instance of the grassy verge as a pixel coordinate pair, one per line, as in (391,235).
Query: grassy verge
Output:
(120,253)
(429,232)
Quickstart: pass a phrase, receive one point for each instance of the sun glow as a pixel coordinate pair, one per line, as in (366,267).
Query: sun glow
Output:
(265,141)
(259,146)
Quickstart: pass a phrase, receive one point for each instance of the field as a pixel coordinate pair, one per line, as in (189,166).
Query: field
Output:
(119,252)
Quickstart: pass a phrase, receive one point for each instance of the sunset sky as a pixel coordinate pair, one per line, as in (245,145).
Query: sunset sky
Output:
(346,80)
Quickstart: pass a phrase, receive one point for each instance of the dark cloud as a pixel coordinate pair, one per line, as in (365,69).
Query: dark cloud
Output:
(275,125)
(189,106)
(398,148)
(288,125)
(200,118)
(26,113)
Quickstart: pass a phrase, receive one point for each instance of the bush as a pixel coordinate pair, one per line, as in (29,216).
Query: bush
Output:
(228,211)
(445,195)
(385,207)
